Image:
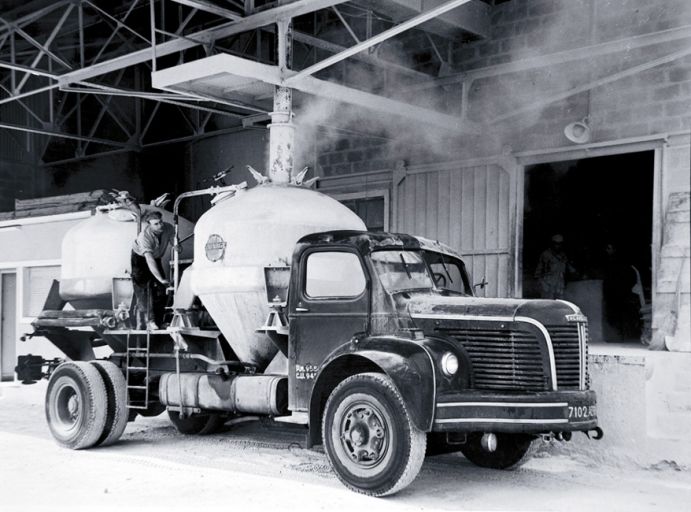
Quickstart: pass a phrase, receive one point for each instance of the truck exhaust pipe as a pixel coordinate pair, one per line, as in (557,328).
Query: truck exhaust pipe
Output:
(597,433)
(489,442)
(250,394)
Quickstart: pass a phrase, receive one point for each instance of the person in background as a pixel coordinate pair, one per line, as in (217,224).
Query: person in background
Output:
(148,278)
(551,269)
(622,294)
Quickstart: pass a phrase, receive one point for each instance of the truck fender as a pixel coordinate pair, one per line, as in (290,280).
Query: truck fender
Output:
(408,364)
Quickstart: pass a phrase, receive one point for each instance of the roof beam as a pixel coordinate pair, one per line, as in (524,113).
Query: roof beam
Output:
(546,100)
(206,6)
(31,17)
(561,57)
(310,40)
(382,36)
(247,23)
(46,46)
(472,17)
(364,57)
(53,133)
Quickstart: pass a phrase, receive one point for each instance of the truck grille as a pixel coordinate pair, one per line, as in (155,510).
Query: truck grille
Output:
(502,358)
(507,359)
(567,355)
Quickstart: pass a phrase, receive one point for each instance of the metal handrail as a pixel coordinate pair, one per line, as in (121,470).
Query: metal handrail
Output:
(176,238)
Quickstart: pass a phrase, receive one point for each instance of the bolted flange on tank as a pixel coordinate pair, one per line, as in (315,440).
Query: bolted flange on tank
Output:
(240,236)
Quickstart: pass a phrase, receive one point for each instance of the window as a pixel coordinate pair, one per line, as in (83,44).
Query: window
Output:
(401,270)
(371,206)
(37,283)
(334,274)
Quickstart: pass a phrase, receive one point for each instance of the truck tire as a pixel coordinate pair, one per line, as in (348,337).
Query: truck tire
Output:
(76,405)
(512,451)
(197,424)
(117,413)
(154,409)
(369,436)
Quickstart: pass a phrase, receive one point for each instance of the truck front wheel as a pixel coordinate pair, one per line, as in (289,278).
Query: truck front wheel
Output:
(512,451)
(369,436)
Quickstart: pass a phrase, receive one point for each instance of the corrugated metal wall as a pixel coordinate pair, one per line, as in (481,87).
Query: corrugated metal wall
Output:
(468,208)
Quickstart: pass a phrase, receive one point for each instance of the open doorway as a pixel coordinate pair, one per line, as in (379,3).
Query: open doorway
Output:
(591,219)
(8,324)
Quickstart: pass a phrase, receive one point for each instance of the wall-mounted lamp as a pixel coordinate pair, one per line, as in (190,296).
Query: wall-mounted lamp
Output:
(579,131)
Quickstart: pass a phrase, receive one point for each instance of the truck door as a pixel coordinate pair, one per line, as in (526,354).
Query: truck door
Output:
(330,306)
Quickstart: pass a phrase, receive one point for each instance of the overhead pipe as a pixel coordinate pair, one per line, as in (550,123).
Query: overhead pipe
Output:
(282,129)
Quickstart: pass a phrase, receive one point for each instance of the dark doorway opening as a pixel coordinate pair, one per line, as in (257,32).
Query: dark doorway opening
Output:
(602,210)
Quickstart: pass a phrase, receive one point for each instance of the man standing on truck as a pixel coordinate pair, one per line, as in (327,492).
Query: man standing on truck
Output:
(148,279)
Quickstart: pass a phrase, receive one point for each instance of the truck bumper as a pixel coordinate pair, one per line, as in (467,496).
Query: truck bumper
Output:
(535,413)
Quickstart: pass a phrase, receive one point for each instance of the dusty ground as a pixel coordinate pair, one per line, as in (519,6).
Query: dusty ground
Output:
(260,466)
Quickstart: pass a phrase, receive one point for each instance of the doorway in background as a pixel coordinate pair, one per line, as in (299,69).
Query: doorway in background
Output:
(8,325)
(603,209)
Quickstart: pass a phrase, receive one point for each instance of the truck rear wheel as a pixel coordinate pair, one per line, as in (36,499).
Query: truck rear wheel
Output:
(369,437)
(116,392)
(154,409)
(512,451)
(76,405)
(197,424)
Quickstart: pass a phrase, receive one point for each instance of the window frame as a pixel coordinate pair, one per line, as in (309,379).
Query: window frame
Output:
(26,288)
(347,298)
(367,194)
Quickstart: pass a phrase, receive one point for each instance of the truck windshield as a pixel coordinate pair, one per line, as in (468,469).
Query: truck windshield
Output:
(401,270)
(449,273)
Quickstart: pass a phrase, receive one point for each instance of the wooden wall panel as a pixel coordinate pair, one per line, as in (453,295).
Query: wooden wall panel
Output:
(468,208)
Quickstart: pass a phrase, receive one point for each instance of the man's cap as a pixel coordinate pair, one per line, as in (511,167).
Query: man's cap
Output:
(558,239)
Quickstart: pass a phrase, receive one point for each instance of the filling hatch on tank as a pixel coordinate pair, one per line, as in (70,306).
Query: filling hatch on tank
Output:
(215,247)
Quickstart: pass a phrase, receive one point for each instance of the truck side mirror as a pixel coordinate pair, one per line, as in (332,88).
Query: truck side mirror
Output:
(481,284)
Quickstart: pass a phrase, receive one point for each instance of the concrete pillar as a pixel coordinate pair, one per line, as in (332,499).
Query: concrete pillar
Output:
(282,129)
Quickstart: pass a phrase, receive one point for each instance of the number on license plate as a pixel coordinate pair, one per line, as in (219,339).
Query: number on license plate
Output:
(581,411)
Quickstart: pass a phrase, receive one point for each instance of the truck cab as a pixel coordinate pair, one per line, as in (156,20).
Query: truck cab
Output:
(382,349)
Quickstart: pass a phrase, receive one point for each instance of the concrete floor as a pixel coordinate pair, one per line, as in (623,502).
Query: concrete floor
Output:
(261,466)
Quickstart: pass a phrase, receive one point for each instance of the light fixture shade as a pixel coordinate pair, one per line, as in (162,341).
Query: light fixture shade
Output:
(578,132)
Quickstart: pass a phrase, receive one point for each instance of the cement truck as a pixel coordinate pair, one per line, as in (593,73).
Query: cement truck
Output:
(289,309)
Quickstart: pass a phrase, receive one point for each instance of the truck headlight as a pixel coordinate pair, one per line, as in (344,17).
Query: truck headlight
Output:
(449,364)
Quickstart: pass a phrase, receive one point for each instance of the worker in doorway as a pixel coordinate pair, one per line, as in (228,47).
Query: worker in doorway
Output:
(148,279)
(551,269)
(622,295)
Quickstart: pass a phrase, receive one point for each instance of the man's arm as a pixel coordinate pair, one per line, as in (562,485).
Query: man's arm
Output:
(153,267)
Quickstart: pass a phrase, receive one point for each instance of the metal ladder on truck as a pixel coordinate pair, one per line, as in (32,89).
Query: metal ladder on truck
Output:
(136,374)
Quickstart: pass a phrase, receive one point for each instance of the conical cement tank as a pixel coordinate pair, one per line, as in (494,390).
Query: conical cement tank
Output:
(241,235)
(97,249)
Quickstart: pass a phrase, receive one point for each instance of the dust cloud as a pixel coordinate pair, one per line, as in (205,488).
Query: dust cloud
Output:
(524,106)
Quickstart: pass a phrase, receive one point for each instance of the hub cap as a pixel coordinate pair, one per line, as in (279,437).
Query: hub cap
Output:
(67,409)
(363,434)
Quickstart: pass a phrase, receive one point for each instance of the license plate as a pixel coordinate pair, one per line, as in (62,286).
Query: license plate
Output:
(582,412)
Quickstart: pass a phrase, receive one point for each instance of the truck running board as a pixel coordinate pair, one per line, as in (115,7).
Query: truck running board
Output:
(298,418)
